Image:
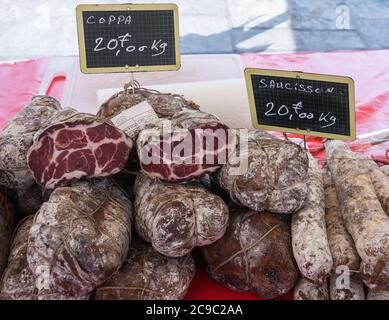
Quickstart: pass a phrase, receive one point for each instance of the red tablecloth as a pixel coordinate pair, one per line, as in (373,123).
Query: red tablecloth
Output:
(370,70)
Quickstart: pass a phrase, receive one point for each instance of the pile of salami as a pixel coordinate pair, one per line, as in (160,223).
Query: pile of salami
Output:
(89,210)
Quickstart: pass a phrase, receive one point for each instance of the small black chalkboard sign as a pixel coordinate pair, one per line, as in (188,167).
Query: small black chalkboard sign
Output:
(128,37)
(303,103)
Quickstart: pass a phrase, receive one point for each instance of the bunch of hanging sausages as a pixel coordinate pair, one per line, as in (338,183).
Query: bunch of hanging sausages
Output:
(84,215)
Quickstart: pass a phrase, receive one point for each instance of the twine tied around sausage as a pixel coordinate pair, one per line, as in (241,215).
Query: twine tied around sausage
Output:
(90,216)
(244,250)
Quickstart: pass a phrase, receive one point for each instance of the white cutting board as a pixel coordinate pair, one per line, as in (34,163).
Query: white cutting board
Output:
(226,99)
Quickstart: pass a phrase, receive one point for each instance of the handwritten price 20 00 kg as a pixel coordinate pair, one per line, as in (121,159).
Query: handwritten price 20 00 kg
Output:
(158,47)
(326,119)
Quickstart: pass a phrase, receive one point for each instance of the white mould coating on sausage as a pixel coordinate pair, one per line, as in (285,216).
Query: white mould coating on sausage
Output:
(194,119)
(6,226)
(385,169)
(341,243)
(148,275)
(18,282)
(306,290)
(17,137)
(164,104)
(176,218)
(380,182)
(350,290)
(362,212)
(378,295)
(80,237)
(275,179)
(309,235)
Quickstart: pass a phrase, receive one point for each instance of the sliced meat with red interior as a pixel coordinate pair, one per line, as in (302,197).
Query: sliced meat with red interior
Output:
(194,143)
(77,145)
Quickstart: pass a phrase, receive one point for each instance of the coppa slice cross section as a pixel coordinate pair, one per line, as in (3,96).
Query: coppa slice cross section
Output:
(67,151)
(195,144)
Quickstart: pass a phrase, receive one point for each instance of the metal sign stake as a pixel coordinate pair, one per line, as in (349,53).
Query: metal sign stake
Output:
(133,83)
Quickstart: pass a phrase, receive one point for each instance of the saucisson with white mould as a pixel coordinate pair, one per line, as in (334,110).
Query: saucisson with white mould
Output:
(309,236)
(379,180)
(378,295)
(306,290)
(341,244)
(362,212)
(385,169)
(350,290)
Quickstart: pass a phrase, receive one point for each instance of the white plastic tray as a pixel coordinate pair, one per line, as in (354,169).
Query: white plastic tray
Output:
(80,90)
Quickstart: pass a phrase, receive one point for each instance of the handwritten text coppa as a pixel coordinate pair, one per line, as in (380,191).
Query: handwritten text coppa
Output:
(299,87)
(112,19)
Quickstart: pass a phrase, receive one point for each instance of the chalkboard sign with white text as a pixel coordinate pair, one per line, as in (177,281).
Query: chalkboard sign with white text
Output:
(296,102)
(128,38)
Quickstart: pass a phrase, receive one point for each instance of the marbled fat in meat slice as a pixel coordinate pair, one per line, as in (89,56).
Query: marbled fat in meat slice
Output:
(197,144)
(77,145)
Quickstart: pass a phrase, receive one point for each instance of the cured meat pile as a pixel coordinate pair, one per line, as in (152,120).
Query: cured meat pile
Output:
(184,147)
(89,210)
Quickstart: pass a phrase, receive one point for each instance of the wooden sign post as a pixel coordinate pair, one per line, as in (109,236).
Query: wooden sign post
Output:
(128,37)
(302,103)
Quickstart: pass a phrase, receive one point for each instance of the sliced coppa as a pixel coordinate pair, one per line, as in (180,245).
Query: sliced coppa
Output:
(77,145)
(195,143)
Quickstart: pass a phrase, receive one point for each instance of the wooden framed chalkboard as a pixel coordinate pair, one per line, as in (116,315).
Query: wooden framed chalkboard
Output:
(128,37)
(302,103)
